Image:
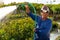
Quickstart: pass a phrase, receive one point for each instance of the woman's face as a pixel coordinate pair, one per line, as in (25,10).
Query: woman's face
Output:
(44,14)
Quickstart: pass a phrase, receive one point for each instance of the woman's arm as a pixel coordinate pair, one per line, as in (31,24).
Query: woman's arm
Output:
(29,13)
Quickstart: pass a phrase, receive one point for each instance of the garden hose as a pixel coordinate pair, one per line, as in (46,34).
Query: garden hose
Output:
(22,7)
(32,9)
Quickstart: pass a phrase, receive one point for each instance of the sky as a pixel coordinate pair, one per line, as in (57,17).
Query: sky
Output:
(32,1)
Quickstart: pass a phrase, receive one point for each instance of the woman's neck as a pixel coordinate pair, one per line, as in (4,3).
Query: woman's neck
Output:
(44,18)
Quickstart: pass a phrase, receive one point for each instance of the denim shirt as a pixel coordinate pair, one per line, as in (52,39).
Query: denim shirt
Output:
(43,26)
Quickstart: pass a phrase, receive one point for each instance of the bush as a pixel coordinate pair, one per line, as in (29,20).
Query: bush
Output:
(54,26)
(17,28)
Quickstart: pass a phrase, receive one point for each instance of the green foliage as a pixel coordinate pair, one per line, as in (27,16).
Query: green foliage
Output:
(17,28)
(54,26)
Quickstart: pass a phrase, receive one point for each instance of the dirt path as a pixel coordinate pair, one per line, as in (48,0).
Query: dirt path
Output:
(6,10)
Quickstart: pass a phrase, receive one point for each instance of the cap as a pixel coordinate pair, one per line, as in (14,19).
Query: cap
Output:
(45,9)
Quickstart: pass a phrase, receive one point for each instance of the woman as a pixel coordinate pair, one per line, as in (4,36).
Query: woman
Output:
(44,24)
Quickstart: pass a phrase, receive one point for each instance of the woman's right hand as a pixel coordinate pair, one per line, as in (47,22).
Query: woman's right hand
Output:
(36,30)
(27,9)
